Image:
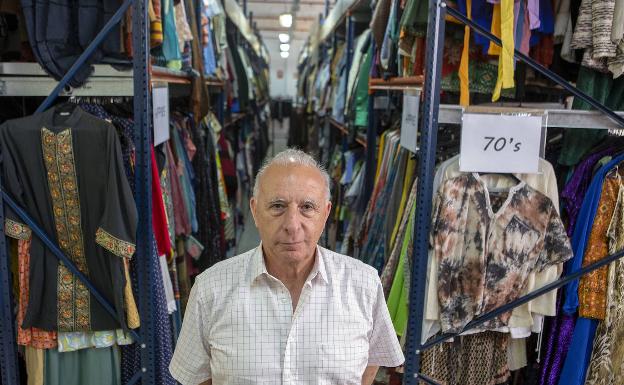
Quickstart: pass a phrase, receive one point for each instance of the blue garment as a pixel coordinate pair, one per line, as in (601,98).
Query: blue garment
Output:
(481,13)
(210,63)
(582,231)
(577,360)
(340,97)
(579,353)
(547,22)
(520,24)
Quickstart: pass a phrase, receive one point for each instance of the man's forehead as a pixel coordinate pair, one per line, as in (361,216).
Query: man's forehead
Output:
(291,198)
(291,178)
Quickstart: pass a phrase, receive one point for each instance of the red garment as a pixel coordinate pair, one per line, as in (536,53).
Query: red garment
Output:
(36,338)
(181,219)
(159,218)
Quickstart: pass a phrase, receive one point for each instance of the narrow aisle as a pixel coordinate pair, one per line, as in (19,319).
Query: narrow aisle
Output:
(250,237)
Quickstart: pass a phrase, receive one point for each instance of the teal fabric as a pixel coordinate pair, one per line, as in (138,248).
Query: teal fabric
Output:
(578,142)
(87,366)
(170,47)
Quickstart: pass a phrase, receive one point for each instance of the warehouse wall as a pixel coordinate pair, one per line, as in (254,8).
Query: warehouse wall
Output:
(286,86)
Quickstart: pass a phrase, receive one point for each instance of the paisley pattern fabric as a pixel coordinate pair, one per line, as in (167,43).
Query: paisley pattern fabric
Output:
(593,286)
(607,362)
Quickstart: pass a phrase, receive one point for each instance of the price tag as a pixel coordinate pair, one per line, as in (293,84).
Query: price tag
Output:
(409,123)
(160,112)
(500,143)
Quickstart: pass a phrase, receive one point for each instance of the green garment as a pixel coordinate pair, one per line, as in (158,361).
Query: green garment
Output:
(361,90)
(95,366)
(399,295)
(577,142)
(415,17)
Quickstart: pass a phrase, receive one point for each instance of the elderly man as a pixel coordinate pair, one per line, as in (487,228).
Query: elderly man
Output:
(289,311)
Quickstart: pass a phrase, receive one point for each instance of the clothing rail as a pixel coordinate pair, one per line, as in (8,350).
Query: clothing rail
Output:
(429,129)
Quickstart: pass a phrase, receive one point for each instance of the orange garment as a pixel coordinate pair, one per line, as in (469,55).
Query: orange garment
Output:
(36,338)
(464,76)
(593,286)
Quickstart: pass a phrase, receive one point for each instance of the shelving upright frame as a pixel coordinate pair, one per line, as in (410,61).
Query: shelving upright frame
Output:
(428,145)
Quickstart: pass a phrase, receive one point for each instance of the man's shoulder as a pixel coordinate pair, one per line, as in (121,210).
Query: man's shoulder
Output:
(342,265)
(225,270)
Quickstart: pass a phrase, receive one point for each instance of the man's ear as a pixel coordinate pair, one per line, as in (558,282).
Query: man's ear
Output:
(253,205)
(328,208)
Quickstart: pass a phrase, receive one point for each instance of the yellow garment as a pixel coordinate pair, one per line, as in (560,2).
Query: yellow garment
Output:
(506,58)
(495,29)
(464,76)
(382,143)
(409,173)
(34,365)
(132,314)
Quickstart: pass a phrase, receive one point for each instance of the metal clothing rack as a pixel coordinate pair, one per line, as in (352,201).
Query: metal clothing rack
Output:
(431,113)
(104,82)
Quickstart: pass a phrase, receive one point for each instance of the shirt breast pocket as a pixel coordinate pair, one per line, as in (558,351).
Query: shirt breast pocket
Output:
(520,240)
(341,363)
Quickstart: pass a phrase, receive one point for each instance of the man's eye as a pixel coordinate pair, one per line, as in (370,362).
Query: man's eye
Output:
(308,207)
(277,206)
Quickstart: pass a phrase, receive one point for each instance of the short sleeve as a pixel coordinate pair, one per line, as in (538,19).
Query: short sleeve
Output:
(557,248)
(384,348)
(190,364)
(116,231)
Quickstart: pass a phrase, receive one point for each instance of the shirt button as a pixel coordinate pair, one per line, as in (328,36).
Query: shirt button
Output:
(284,299)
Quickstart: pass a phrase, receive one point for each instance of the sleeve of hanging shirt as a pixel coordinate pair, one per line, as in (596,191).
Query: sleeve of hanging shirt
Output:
(118,224)
(557,248)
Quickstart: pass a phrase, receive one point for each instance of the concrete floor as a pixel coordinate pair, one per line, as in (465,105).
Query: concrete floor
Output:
(250,238)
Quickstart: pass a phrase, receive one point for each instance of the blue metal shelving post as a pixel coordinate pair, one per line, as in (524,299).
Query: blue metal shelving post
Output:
(143,182)
(8,343)
(426,167)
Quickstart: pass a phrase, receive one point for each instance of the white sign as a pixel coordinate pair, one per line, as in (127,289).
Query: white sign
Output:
(160,112)
(409,123)
(500,143)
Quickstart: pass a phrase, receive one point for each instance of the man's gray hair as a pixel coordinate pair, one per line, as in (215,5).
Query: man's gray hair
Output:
(288,157)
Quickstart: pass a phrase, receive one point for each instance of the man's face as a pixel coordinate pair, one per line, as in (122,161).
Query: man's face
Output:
(290,211)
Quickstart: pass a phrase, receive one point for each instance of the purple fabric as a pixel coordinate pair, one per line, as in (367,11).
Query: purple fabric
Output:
(559,330)
(574,191)
(534,13)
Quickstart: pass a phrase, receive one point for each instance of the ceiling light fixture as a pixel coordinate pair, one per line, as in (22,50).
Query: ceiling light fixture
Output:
(285,20)
(283,37)
(284,54)
(284,47)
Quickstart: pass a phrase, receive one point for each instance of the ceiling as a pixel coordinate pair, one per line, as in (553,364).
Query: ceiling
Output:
(266,14)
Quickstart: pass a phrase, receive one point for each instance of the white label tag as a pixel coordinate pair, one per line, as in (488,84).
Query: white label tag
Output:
(500,143)
(160,111)
(409,123)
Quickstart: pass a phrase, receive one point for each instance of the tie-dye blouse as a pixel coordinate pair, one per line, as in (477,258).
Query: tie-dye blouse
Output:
(487,246)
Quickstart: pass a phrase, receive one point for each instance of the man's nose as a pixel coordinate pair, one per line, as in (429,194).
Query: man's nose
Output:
(292,220)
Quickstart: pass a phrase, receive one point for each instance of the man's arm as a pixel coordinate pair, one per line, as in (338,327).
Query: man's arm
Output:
(369,375)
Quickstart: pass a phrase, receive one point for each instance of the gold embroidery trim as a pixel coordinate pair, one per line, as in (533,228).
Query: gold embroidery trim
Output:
(113,244)
(16,230)
(73,298)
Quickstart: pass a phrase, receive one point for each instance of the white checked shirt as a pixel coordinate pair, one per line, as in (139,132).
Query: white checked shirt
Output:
(240,329)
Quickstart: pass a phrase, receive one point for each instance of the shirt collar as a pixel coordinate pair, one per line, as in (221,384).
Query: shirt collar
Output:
(258,267)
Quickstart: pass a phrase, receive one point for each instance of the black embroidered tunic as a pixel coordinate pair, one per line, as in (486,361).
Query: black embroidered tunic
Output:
(68,173)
